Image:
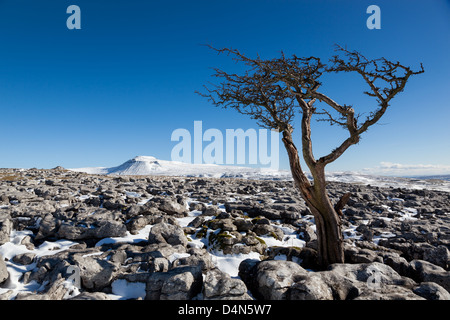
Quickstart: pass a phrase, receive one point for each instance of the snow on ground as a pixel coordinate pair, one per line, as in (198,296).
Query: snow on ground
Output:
(121,289)
(228,263)
(142,235)
(16,270)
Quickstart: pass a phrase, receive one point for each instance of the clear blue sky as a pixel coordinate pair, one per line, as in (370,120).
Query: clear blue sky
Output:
(118,87)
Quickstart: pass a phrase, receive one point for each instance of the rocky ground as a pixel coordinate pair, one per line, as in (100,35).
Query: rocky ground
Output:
(68,235)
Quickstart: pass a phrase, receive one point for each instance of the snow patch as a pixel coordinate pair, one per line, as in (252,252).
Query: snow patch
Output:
(229,263)
(128,290)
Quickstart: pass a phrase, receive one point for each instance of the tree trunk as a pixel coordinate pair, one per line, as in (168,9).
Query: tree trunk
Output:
(328,228)
(328,222)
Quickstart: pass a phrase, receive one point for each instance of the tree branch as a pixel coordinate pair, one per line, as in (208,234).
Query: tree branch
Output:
(272,91)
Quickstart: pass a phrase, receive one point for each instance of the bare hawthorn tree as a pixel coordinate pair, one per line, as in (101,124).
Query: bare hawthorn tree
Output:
(273,91)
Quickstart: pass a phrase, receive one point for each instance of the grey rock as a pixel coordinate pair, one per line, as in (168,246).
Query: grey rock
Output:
(167,233)
(137,223)
(311,287)
(243,225)
(439,256)
(389,293)
(274,278)
(291,214)
(24,258)
(162,249)
(197,206)
(5,228)
(211,211)
(118,256)
(159,264)
(6,295)
(425,271)
(399,264)
(47,227)
(248,272)
(48,203)
(432,291)
(227,225)
(223,224)
(366,232)
(365,281)
(220,286)
(305,256)
(172,207)
(270,214)
(181,283)
(3,270)
(178,287)
(197,222)
(379,272)
(28,243)
(197,257)
(4,199)
(361,255)
(306,232)
(95,272)
(102,229)
(267,229)
(91,296)
(56,291)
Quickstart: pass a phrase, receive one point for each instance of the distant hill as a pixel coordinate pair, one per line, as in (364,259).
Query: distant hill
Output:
(445,177)
(147,165)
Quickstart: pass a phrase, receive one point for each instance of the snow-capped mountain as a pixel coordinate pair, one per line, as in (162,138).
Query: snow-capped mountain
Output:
(147,165)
